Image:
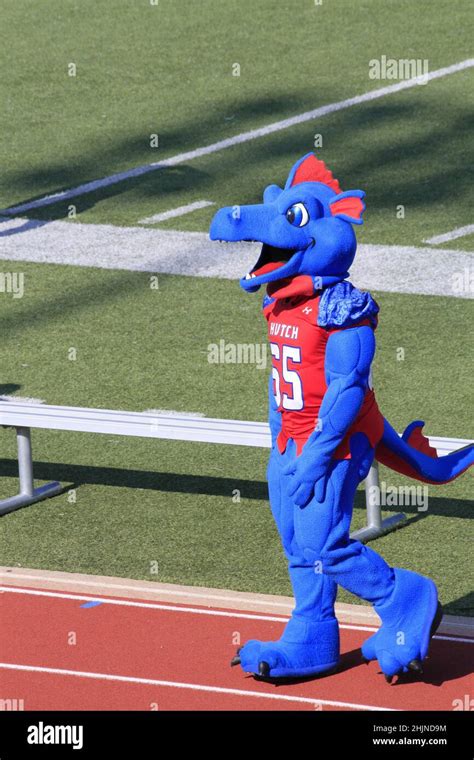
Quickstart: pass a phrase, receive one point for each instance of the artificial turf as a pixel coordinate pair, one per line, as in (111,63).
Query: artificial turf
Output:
(198,513)
(167,70)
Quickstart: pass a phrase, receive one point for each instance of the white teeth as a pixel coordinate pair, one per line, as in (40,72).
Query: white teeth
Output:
(254,275)
(248,276)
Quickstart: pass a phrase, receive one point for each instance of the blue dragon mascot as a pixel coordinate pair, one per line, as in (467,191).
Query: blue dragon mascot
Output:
(326,429)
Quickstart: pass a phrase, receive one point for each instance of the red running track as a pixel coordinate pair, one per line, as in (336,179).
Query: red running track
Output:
(64,651)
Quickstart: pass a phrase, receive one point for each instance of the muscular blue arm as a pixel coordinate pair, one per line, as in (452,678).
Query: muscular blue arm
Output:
(349,355)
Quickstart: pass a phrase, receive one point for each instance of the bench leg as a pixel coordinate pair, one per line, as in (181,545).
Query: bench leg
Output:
(375,525)
(28,494)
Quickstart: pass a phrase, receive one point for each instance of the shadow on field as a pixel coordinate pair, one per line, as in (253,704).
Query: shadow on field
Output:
(173,179)
(135,154)
(7,389)
(78,475)
(464,605)
(28,224)
(116,285)
(393,135)
(438,505)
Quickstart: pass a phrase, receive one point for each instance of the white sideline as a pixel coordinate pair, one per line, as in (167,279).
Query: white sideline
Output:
(244,137)
(453,235)
(193,610)
(390,268)
(191,686)
(174,212)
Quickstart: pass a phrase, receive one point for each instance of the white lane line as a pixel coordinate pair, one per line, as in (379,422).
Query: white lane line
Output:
(453,235)
(127,587)
(192,687)
(174,212)
(146,605)
(278,126)
(192,610)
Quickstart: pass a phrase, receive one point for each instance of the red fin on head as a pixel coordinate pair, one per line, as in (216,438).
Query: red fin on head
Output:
(311,169)
(349,206)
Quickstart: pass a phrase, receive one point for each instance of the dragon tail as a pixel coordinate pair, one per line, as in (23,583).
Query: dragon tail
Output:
(412,455)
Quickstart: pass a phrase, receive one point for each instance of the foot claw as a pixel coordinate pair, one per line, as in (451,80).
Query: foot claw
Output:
(388,679)
(236,658)
(416,666)
(365,660)
(263,669)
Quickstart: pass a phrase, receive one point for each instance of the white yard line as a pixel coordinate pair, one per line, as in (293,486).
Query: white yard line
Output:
(174,212)
(278,126)
(390,268)
(173,413)
(191,686)
(22,399)
(453,235)
(192,610)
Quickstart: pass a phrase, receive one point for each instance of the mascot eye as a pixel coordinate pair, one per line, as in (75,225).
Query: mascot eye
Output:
(297,215)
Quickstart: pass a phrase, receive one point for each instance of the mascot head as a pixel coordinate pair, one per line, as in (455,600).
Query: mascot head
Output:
(305,230)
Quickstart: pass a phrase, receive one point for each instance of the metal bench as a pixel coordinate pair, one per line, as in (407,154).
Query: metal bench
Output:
(24,416)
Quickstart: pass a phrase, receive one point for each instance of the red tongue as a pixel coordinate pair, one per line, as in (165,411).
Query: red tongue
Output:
(270,267)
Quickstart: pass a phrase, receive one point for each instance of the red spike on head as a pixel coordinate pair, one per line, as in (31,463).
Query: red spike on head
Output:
(314,170)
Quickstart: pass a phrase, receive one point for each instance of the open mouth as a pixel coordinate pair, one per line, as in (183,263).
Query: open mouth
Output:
(271,258)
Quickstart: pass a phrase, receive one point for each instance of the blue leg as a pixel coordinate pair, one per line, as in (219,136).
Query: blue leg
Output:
(406,602)
(310,641)
(321,555)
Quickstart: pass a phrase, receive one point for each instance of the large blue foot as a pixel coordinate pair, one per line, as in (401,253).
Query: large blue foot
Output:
(305,649)
(409,617)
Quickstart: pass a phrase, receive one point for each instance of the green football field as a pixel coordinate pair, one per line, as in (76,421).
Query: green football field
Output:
(167,70)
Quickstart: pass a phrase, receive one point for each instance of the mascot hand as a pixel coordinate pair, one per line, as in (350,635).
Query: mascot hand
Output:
(309,474)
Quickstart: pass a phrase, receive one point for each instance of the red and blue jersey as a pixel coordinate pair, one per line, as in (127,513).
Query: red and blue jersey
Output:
(298,350)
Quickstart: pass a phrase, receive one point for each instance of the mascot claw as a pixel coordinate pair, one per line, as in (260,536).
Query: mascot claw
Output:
(263,667)
(416,666)
(393,658)
(236,658)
